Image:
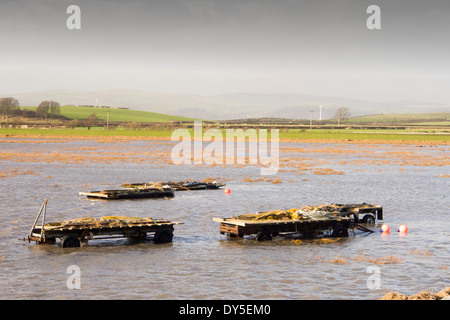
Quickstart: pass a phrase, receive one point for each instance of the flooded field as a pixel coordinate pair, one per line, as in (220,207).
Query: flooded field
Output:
(410,181)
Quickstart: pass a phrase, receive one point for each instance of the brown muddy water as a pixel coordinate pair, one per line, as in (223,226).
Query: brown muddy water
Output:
(411,182)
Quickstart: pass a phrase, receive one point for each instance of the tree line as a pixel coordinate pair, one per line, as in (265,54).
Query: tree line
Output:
(10,107)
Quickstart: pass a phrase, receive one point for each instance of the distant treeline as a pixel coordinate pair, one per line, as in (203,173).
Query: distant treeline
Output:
(10,108)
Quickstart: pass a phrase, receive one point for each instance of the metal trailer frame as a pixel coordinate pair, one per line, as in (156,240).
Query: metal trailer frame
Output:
(264,230)
(355,211)
(74,235)
(179,186)
(346,216)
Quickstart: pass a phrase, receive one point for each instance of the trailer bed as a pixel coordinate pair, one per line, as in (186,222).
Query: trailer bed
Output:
(264,230)
(179,186)
(131,193)
(74,232)
(307,221)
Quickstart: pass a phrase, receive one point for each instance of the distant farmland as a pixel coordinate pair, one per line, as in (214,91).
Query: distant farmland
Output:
(425,118)
(119,115)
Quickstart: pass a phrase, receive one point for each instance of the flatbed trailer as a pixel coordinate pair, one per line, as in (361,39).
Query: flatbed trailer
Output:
(179,186)
(264,230)
(359,212)
(308,221)
(131,193)
(74,232)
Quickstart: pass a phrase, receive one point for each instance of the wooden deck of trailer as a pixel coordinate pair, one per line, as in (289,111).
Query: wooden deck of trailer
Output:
(265,230)
(178,186)
(307,221)
(74,232)
(131,193)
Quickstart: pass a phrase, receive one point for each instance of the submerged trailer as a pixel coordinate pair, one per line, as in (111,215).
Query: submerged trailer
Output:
(72,233)
(132,193)
(308,221)
(265,230)
(179,186)
(366,213)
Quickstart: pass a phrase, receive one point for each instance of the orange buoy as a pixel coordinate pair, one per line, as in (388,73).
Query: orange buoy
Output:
(227,190)
(385,228)
(403,229)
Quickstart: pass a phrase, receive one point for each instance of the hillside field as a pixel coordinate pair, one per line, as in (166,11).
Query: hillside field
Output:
(122,115)
(442,118)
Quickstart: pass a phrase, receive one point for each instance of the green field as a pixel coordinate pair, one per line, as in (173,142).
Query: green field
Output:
(440,133)
(121,115)
(363,134)
(423,118)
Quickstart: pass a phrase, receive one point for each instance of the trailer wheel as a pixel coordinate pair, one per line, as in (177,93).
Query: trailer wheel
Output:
(163,236)
(340,232)
(263,236)
(50,240)
(369,219)
(70,242)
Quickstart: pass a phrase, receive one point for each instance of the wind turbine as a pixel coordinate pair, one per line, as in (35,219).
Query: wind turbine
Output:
(320,112)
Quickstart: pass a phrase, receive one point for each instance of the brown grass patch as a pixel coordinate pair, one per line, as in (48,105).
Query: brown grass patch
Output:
(382,260)
(328,171)
(262,179)
(16,172)
(423,253)
(338,260)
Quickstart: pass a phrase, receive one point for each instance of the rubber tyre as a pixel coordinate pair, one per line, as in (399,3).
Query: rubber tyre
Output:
(263,236)
(340,233)
(50,240)
(70,242)
(163,236)
(369,219)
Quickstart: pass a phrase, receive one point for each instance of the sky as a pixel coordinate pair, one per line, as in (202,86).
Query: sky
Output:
(210,47)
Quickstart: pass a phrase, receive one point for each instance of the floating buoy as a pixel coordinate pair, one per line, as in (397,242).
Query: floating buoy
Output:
(403,229)
(227,190)
(385,228)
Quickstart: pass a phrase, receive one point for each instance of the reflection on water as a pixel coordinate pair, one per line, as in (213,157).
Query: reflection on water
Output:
(201,263)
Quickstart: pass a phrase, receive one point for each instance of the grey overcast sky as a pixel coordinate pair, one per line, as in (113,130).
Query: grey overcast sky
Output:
(319,47)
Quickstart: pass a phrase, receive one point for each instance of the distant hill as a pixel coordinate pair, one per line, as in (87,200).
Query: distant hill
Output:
(226,106)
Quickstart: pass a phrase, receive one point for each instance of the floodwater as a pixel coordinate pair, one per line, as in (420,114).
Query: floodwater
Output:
(411,182)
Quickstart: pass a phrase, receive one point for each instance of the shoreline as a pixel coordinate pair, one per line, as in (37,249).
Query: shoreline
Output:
(423,295)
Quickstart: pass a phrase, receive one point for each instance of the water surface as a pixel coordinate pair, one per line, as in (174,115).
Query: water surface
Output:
(407,180)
